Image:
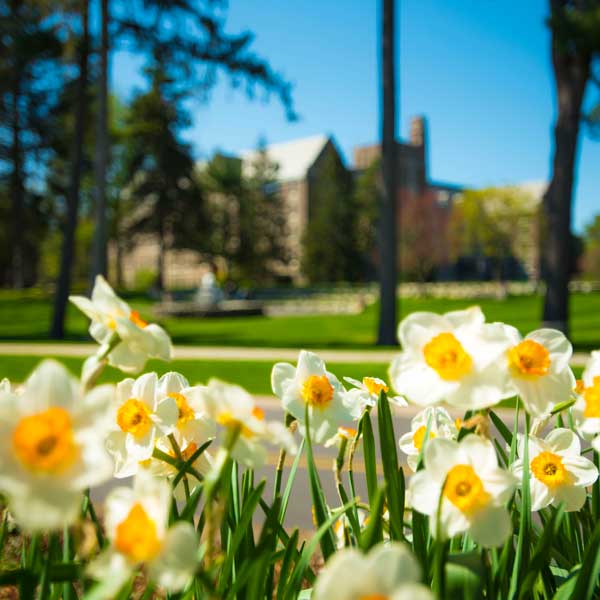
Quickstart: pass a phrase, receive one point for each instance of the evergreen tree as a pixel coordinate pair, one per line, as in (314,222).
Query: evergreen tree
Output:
(30,77)
(330,250)
(161,192)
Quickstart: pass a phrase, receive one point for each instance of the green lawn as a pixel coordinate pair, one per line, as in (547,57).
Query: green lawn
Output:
(26,317)
(255,376)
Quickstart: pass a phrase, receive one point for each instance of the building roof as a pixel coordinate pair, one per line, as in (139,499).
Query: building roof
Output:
(294,157)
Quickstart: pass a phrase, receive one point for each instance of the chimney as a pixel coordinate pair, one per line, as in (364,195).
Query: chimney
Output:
(418,131)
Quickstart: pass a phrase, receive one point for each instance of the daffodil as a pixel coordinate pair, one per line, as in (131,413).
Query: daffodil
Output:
(193,424)
(124,337)
(235,411)
(136,522)
(453,358)
(140,416)
(387,572)
(310,385)
(440,425)
(539,369)
(366,392)
(557,471)
(51,446)
(464,480)
(586,410)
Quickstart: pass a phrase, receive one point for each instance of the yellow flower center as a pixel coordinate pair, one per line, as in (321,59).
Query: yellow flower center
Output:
(189,451)
(375,386)
(136,536)
(346,432)
(549,469)
(226,419)
(374,597)
(419,436)
(185,411)
(579,386)
(134,417)
(446,355)
(317,391)
(464,489)
(44,442)
(529,358)
(591,395)
(135,318)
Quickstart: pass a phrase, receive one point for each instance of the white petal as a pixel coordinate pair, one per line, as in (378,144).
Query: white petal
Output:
(309,364)
(564,442)
(145,388)
(166,415)
(418,328)
(86,306)
(393,564)
(49,385)
(491,526)
(592,369)
(162,347)
(481,452)
(413,591)
(440,456)
(573,497)
(471,317)
(46,508)
(582,470)
(424,492)
(557,344)
(127,358)
(112,570)
(418,382)
(541,496)
(170,383)
(174,567)
(281,376)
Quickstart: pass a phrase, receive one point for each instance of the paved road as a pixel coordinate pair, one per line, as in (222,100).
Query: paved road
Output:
(299,510)
(223,353)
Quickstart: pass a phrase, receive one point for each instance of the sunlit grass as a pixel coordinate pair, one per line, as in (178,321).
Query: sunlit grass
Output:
(26,317)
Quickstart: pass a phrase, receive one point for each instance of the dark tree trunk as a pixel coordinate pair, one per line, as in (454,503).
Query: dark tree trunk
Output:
(388,254)
(160,259)
(99,258)
(571,73)
(67,260)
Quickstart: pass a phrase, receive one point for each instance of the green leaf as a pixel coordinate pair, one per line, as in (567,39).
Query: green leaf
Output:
(287,562)
(369,455)
(302,565)
(318,497)
(522,552)
(373,532)
(587,577)
(290,482)
(503,430)
(238,535)
(395,492)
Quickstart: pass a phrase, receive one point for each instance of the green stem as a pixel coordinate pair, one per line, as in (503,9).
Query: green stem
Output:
(177,451)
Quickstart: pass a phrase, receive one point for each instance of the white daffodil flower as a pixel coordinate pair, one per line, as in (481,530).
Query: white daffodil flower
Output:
(136,521)
(51,446)
(343,435)
(234,409)
(114,323)
(140,417)
(440,425)
(193,424)
(557,471)
(366,392)
(310,384)
(586,410)
(472,489)
(387,572)
(539,369)
(453,358)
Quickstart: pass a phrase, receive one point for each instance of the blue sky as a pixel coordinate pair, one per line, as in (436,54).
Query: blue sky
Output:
(478,69)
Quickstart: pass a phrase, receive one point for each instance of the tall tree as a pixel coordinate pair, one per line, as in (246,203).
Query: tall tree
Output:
(575,27)
(387,215)
(77,158)
(29,80)
(330,252)
(163,198)
(99,252)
